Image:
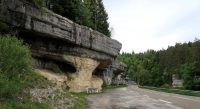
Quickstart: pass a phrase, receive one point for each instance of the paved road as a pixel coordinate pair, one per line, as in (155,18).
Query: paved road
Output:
(133,97)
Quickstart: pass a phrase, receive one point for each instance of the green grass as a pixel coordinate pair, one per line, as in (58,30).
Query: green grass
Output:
(79,99)
(17,75)
(172,90)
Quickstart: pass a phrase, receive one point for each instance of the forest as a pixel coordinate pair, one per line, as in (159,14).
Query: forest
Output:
(89,13)
(156,68)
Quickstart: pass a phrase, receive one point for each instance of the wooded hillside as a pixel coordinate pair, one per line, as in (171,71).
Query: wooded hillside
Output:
(155,68)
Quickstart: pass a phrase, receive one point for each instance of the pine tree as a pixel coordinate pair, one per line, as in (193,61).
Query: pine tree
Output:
(102,19)
(99,16)
(75,10)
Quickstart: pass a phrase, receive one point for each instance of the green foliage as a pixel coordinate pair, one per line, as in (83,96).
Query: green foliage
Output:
(39,3)
(153,68)
(74,10)
(143,68)
(102,19)
(79,100)
(191,81)
(166,86)
(15,58)
(16,75)
(15,61)
(8,89)
(99,17)
(27,104)
(34,80)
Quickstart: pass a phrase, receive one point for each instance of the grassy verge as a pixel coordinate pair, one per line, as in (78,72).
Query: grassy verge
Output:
(79,100)
(172,90)
(17,75)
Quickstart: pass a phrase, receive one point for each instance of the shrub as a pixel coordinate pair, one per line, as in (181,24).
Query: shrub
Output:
(189,72)
(15,61)
(16,75)
(15,58)
(8,89)
(166,86)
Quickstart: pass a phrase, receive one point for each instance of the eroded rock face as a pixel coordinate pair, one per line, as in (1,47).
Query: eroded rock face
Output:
(83,79)
(48,24)
(115,73)
(59,79)
(55,38)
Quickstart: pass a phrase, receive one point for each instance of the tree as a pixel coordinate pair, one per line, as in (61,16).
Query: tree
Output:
(102,19)
(99,16)
(75,10)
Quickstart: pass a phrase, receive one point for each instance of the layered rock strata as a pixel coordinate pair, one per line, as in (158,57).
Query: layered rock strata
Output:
(53,38)
(115,73)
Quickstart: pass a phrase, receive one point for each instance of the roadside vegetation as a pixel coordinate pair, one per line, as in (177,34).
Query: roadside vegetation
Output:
(174,90)
(80,100)
(156,68)
(17,75)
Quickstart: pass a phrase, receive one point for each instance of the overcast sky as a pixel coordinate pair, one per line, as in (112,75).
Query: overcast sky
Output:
(153,24)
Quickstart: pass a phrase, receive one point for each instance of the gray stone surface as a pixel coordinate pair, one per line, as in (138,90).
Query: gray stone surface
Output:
(115,73)
(126,98)
(119,66)
(52,37)
(43,21)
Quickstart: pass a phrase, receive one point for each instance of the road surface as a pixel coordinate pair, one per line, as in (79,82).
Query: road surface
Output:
(132,97)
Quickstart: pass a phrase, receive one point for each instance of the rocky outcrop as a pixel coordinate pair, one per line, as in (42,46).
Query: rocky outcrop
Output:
(55,39)
(82,79)
(115,73)
(49,24)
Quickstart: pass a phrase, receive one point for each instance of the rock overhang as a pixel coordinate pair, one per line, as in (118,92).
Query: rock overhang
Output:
(48,24)
(54,37)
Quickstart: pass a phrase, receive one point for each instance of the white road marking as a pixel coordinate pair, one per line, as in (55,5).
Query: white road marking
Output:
(165,101)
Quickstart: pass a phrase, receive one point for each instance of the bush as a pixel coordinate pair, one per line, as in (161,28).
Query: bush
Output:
(8,89)
(15,62)
(189,71)
(26,105)
(17,75)
(166,86)
(15,58)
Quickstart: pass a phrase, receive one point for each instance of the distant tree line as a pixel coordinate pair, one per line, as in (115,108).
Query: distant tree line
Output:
(155,68)
(90,13)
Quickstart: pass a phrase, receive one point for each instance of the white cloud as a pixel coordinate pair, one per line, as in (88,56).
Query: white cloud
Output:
(153,24)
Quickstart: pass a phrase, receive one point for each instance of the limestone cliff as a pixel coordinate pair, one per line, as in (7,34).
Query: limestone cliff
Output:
(55,39)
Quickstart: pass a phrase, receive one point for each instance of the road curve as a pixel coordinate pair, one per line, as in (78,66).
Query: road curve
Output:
(132,97)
